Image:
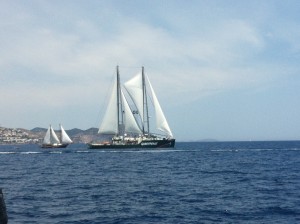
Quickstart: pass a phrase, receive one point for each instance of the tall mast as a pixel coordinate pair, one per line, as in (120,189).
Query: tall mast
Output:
(118,98)
(145,102)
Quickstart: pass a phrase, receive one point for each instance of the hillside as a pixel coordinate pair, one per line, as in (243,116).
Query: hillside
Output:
(36,135)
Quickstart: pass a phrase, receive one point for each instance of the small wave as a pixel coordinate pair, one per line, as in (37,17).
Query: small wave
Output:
(253,150)
(295,149)
(225,150)
(224,172)
(7,152)
(30,153)
(151,150)
(258,150)
(56,152)
(170,150)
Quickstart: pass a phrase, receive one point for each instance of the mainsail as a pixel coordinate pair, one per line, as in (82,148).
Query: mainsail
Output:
(134,87)
(130,123)
(50,137)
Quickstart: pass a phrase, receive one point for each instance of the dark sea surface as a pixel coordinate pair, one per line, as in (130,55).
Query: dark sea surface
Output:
(221,182)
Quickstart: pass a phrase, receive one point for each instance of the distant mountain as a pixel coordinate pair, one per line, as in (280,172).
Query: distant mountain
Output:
(84,136)
(76,134)
(37,129)
(74,131)
(91,131)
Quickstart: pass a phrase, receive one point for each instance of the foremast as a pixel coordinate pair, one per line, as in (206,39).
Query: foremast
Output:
(145,105)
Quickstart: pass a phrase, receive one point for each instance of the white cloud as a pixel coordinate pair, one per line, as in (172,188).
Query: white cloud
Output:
(55,53)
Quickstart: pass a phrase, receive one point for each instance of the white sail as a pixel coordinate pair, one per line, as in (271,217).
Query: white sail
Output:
(135,89)
(50,137)
(53,137)
(65,139)
(161,121)
(110,124)
(130,123)
(47,137)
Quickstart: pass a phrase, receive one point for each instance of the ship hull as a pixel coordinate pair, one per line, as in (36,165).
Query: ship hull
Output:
(49,146)
(161,143)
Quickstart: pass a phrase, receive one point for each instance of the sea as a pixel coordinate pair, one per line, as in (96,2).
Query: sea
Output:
(196,182)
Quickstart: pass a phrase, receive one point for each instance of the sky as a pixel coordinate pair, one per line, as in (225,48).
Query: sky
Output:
(224,70)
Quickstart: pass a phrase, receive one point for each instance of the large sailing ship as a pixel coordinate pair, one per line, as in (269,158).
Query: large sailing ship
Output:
(52,141)
(126,126)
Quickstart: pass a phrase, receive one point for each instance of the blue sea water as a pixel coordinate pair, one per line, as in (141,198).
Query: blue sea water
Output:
(221,182)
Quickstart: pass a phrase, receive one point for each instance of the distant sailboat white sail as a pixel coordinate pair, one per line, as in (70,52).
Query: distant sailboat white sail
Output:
(65,139)
(130,127)
(52,141)
(50,137)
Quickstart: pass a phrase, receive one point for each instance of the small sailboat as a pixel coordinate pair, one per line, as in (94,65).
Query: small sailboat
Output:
(129,126)
(52,141)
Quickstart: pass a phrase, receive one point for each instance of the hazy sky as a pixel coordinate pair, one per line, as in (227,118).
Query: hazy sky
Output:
(227,70)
